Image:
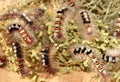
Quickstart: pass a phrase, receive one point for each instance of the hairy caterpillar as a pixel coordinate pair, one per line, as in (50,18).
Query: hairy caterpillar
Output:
(63,16)
(2,61)
(19,58)
(111,55)
(58,34)
(46,52)
(22,32)
(86,24)
(46,63)
(89,52)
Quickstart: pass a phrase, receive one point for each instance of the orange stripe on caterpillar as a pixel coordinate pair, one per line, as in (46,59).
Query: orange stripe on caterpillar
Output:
(20,59)
(99,68)
(70,1)
(57,22)
(97,63)
(93,56)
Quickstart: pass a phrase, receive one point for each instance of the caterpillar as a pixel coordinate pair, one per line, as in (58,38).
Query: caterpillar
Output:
(46,60)
(58,34)
(2,61)
(89,52)
(19,58)
(86,24)
(22,32)
(27,19)
(63,16)
(111,55)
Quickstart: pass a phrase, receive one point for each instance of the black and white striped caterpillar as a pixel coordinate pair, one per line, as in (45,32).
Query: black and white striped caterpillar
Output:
(22,32)
(111,55)
(89,52)
(45,52)
(19,58)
